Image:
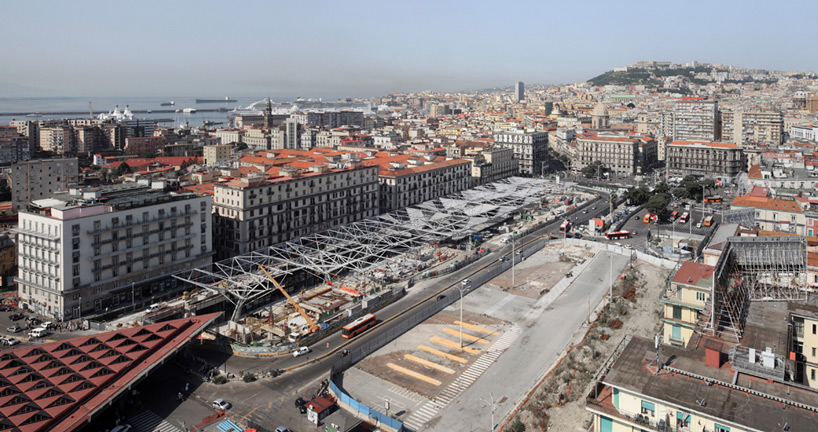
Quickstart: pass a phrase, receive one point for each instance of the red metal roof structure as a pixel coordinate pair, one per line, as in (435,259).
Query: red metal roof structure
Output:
(59,385)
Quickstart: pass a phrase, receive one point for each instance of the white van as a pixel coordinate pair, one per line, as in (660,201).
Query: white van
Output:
(38,332)
(153,308)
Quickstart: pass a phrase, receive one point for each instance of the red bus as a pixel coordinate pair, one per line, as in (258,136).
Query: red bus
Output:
(615,235)
(684,217)
(674,215)
(565,227)
(358,326)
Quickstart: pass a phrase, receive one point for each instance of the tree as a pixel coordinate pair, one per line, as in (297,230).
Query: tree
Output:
(123,168)
(661,188)
(658,203)
(637,196)
(614,199)
(5,190)
(241,146)
(680,192)
(595,170)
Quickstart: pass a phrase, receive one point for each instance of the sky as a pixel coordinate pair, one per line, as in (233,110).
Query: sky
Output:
(355,48)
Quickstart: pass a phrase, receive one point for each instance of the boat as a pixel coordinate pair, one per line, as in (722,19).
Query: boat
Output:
(226,100)
(189,110)
(34,115)
(169,103)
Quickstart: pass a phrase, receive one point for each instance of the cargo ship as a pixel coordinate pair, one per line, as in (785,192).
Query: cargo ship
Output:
(171,103)
(226,100)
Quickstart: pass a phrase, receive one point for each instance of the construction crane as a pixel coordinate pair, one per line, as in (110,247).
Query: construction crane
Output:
(312,324)
(90,111)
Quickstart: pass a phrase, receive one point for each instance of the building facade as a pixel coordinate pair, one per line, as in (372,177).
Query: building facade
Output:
(38,179)
(140,146)
(410,183)
(705,159)
(254,212)
(530,149)
(213,154)
(78,257)
(764,128)
(491,165)
(618,154)
(695,120)
(519,91)
(683,301)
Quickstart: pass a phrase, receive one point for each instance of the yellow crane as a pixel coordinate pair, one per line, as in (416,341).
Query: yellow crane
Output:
(312,324)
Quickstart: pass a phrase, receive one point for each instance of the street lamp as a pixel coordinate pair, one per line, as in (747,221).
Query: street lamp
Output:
(133,299)
(463,285)
(493,407)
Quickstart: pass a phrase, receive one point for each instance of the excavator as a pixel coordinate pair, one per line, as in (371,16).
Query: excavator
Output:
(313,326)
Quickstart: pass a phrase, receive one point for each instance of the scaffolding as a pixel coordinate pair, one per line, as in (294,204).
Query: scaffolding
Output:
(754,269)
(363,246)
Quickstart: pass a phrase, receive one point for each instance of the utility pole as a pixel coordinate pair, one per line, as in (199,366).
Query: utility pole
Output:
(610,278)
(463,286)
(513,259)
(493,407)
(133,299)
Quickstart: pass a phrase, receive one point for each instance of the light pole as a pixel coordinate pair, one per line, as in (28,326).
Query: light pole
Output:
(493,407)
(463,286)
(133,299)
(80,311)
(513,256)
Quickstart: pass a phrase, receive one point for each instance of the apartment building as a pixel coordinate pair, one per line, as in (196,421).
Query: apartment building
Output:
(719,160)
(773,214)
(57,139)
(683,301)
(695,119)
(412,181)
(492,164)
(618,153)
(260,210)
(38,179)
(229,136)
(14,147)
(530,148)
(213,154)
(804,320)
(751,128)
(96,250)
(257,139)
(140,146)
(519,91)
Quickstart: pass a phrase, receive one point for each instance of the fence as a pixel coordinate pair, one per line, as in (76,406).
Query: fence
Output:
(362,411)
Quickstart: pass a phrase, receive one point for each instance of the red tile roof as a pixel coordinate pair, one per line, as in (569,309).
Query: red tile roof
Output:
(691,273)
(766,203)
(60,385)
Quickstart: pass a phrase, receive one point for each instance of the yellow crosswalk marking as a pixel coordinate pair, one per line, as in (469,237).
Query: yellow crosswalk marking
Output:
(413,374)
(474,327)
(466,336)
(442,354)
(452,344)
(425,362)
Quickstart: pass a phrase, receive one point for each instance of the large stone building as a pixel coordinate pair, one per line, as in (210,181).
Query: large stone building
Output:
(213,154)
(723,161)
(261,210)
(749,128)
(492,164)
(96,250)
(412,181)
(622,155)
(140,146)
(57,139)
(14,147)
(38,179)
(530,148)
(696,120)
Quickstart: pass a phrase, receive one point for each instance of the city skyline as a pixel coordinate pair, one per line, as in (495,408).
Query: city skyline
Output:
(364,49)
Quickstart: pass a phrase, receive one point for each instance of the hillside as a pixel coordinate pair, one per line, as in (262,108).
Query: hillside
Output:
(684,76)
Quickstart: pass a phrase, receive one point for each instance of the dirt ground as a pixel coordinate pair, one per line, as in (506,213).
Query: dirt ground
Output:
(540,272)
(377,364)
(559,402)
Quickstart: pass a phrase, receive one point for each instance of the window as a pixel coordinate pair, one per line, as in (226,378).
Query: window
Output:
(97,225)
(813,351)
(720,428)
(812,374)
(677,312)
(798,326)
(700,296)
(814,328)
(648,408)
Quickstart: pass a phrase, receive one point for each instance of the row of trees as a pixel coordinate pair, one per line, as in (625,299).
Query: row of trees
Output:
(661,196)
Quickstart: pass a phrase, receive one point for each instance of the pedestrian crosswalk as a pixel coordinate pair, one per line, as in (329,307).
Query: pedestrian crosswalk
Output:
(430,409)
(148,421)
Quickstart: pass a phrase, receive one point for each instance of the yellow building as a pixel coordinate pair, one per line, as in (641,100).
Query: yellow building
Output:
(216,153)
(683,301)
(805,343)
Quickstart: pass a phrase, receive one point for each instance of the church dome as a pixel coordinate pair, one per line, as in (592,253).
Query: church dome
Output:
(600,110)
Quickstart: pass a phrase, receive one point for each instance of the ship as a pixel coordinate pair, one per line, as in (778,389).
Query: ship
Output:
(189,110)
(170,103)
(226,100)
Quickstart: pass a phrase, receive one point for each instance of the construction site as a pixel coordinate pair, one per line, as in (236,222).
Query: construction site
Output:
(298,289)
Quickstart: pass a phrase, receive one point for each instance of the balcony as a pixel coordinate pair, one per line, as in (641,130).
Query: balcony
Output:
(600,401)
(134,223)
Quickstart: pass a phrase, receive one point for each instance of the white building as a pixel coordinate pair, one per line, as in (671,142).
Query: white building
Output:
(79,256)
(530,148)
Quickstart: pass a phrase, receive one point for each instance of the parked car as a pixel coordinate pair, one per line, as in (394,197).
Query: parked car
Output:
(17,316)
(14,329)
(6,340)
(300,405)
(6,308)
(220,404)
(301,351)
(153,308)
(282,429)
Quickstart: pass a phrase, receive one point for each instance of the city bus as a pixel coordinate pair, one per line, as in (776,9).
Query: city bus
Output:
(565,227)
(674,215)
(713,199)
(708,221)
(684,217)
(358,326)
(615,235)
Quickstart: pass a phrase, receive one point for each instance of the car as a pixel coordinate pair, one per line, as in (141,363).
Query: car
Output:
(300,405)
(17,316)
(6,308)
(153,308)
(282,429)
(48,325)
(14,329)
(585,212)
(122,428)
(301,351)
(10,341)
(221,405)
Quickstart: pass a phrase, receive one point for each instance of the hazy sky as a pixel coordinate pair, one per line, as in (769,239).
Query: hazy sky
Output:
(369,48)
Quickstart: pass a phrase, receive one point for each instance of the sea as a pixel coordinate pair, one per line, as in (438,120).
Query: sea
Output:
(41,108)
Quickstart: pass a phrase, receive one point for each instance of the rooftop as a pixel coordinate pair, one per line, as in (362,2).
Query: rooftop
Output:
(690,273)
(766,203)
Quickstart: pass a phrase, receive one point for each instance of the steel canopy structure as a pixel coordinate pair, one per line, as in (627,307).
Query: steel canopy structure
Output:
(359,247)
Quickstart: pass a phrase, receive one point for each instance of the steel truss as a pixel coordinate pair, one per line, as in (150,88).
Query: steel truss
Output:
(755,269)
(360,247)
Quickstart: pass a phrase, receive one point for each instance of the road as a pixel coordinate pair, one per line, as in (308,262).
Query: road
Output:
(270,402)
